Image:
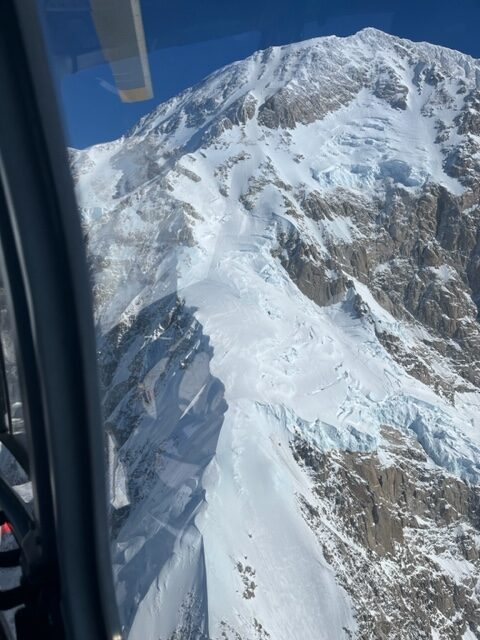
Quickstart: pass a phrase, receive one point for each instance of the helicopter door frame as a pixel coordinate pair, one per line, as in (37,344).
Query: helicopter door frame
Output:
(48,285)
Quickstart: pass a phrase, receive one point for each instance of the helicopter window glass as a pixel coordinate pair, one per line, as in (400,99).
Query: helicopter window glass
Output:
(280,211)
(12,413)
(10,404)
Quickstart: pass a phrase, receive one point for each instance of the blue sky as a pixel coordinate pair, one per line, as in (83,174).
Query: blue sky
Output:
(93,113)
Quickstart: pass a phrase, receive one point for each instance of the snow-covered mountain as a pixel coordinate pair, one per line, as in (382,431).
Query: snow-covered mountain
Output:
(287,277)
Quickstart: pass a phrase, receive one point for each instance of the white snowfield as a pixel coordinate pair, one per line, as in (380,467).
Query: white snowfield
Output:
(241,560)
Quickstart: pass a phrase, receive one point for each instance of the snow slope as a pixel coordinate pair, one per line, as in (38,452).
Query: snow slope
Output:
(217,360)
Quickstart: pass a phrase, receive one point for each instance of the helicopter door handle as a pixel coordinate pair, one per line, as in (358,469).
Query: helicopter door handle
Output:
(10,558)
(11,598)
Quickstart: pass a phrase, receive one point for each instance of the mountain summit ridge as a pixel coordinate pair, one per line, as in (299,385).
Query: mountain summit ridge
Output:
(335,51)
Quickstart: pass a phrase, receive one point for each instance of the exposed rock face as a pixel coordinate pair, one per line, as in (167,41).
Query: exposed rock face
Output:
(315,278)
(418,253)
(408,533)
